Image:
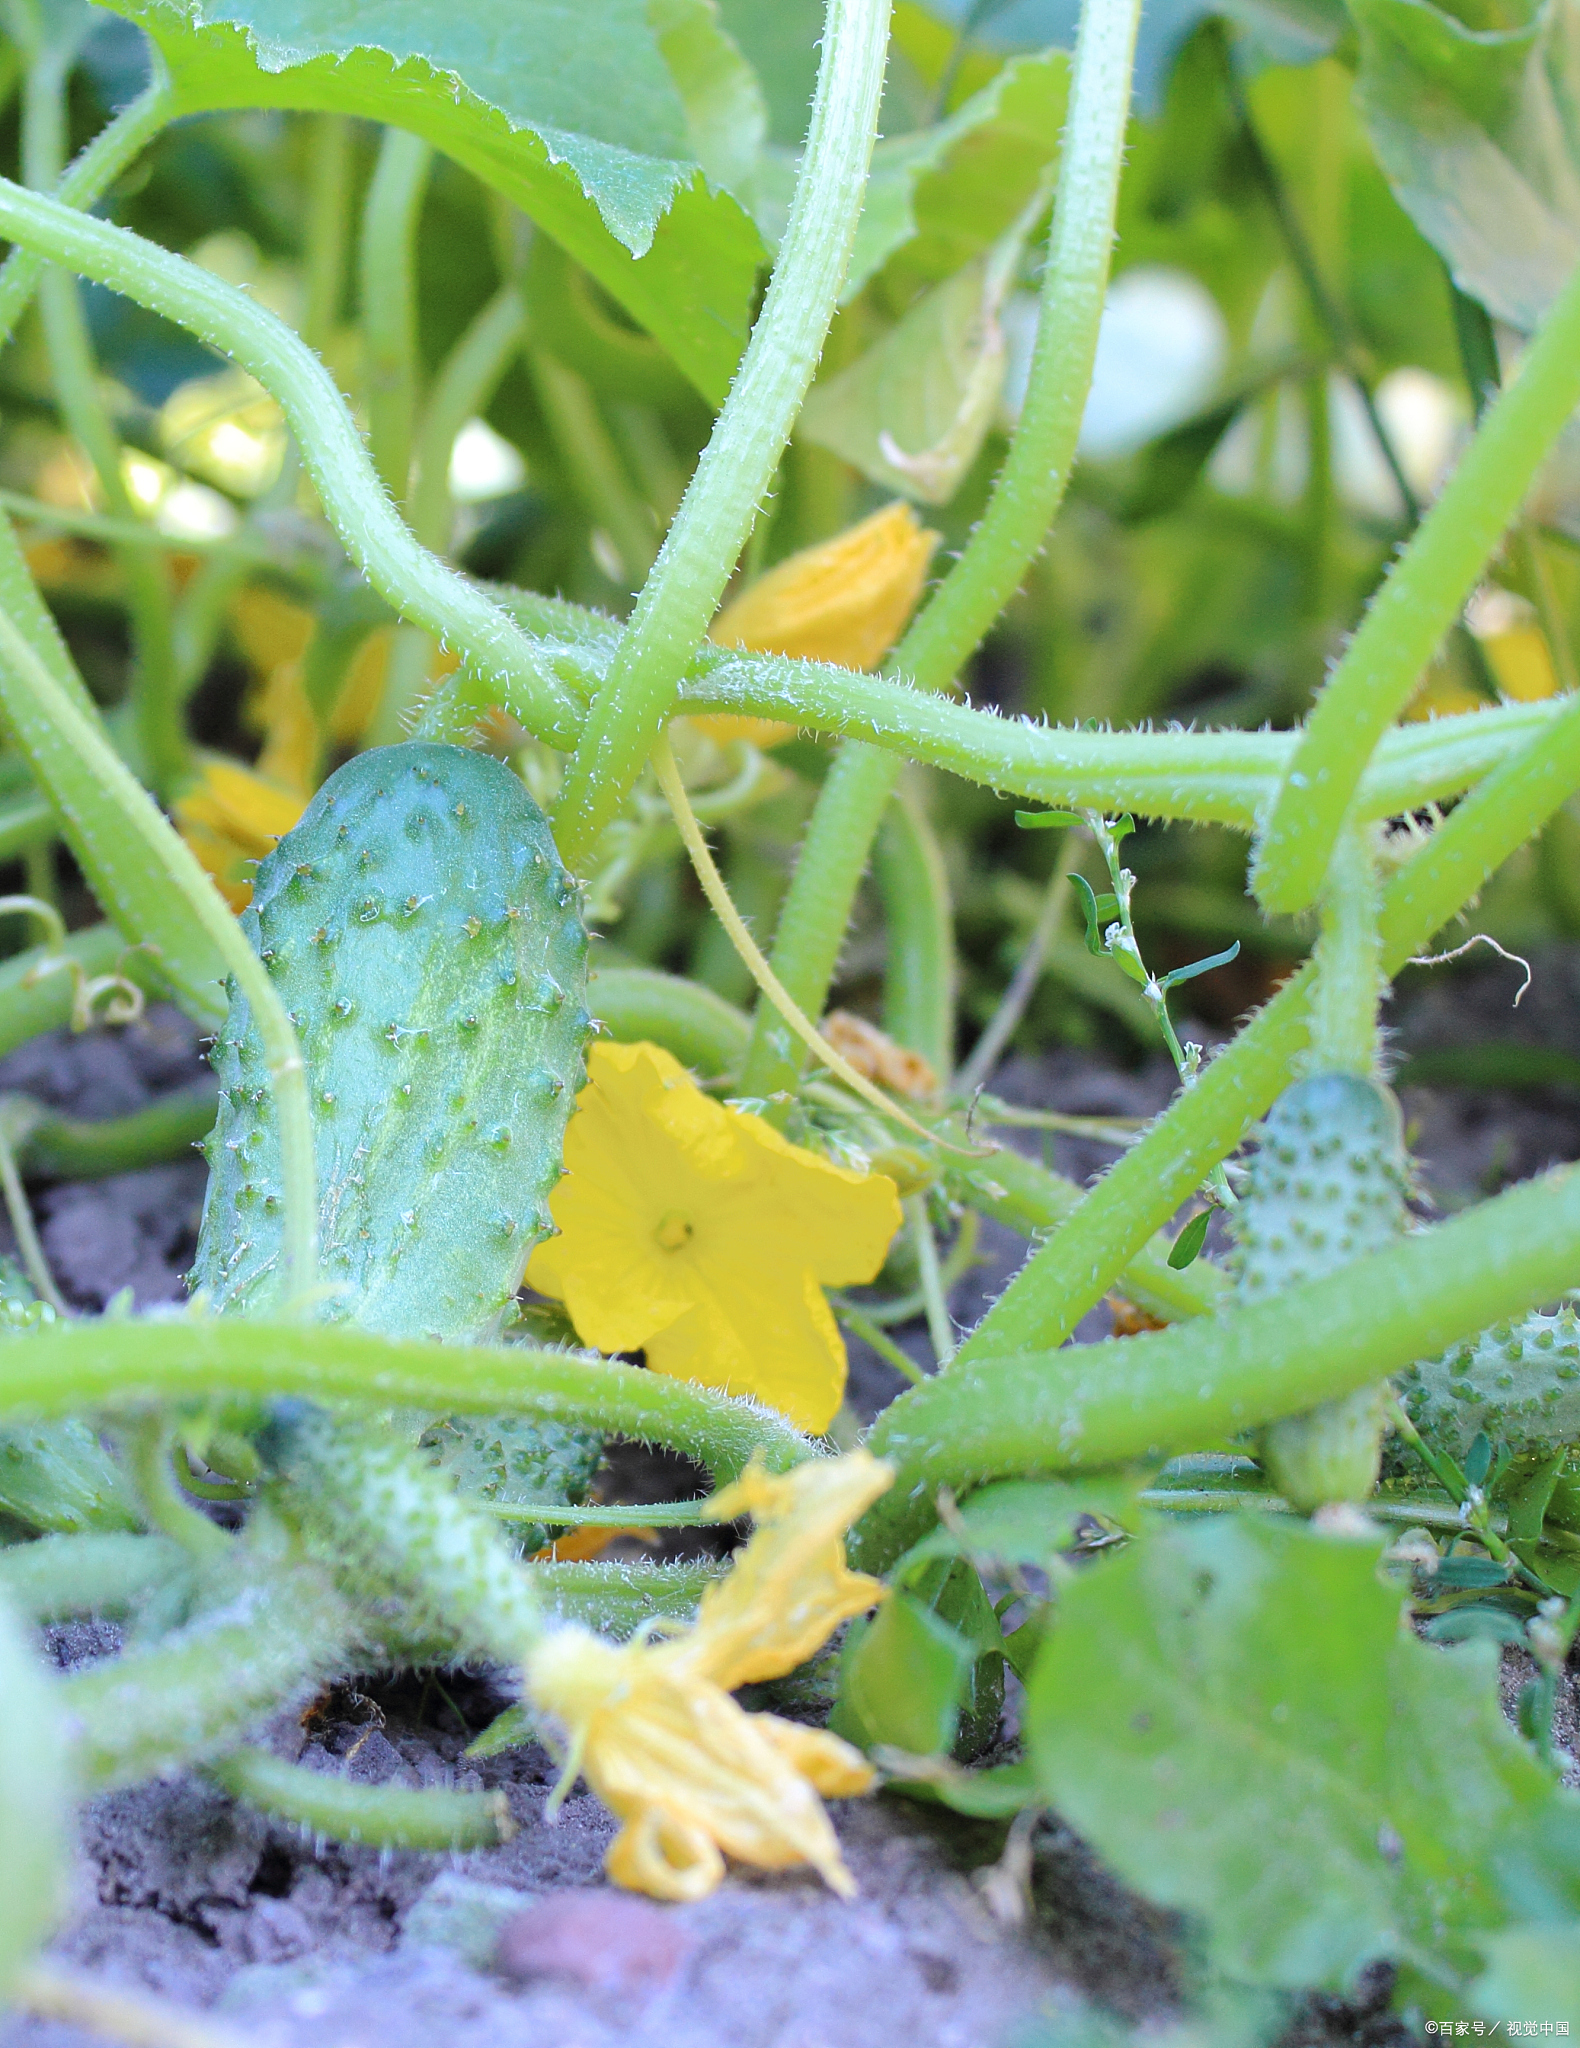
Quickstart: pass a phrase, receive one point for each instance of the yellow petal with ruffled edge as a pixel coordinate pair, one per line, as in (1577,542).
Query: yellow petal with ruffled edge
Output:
(652,1726)
(791,1587)
(698,1234)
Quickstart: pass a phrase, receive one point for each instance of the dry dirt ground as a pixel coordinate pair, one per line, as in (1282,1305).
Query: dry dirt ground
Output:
(286,1942)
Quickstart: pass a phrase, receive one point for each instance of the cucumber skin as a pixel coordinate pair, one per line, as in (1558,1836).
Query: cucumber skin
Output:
(1327,1185)
(428,944)
(1520,1382)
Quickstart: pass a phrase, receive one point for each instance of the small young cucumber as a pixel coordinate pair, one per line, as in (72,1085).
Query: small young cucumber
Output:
(428,944)
(1519,1382)
(1327,1184)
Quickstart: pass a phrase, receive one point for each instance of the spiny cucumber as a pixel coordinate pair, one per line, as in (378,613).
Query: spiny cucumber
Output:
(428,944)
(1519,1382)
(1327,1184)
(502,1459)
(392,1522)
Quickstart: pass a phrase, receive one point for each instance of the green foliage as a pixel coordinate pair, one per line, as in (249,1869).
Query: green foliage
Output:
(1236,1719)
(1236,1713)
(1475,115)
(579,121)
(35,1793)
(1531,1971)
(420,927)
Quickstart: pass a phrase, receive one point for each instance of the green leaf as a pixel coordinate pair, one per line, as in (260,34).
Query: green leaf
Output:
(571,112)
(946,194)
(1237,1718)
(913,412)
(1176,975)
(1478,130)
(1186,1248)
(1532,1973)
(901,1679)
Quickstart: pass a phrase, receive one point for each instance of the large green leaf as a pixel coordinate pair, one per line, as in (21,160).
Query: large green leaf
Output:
(1241,1722)
(1474,112)
(1533,1974)
(949,191)
(914,411)
(589,117)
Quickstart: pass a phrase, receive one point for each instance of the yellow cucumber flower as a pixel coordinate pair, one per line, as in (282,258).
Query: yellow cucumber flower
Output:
(653,1729)
(847,600)
(699,1235)
(231,817)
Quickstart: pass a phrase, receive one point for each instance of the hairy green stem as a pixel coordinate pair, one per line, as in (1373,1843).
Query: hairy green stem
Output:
(418,585)
(100,801)
(1144,1397)
(156,713)
(325,235)
(701,1029)
(70,1367)
(919,976)
(87,180)
(386,268)
(737,466)
(1415,607)
(1225,777)
(190,1695)
(1034,1200)
(379,1816)
(1059,1283)
(816,912)
(462,388)
(70,1148)
(1348,963)
(94,1573)
(1036,474)
(1025,498)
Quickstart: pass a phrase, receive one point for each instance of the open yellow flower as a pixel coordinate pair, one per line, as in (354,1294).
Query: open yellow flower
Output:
(231,817)
(698,1234)
(652,1727)
(847,600)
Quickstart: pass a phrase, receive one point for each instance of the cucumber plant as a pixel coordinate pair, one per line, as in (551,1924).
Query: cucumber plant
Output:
(401,1013)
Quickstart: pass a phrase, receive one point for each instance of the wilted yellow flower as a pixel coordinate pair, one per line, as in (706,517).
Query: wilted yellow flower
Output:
(700,1235)
(847,600)
(652,1727)
(231,818)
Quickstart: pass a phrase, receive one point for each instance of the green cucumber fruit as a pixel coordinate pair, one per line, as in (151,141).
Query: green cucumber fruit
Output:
(428,944)
(1518,1382)
(1327,1184)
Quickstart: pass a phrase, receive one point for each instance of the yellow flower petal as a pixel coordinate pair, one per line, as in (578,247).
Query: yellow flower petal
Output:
(701,1235)
(653,1729)
(791,1587)
(231,817)
(847,600)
